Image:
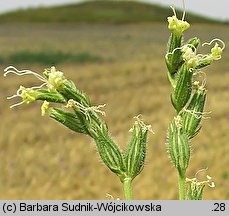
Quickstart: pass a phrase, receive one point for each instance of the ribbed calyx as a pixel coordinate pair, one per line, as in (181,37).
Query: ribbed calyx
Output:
(188,95)
(77,114)
(136,151)
(178,145)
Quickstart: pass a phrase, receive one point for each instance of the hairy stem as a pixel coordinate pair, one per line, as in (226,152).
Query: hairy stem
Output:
(127,188)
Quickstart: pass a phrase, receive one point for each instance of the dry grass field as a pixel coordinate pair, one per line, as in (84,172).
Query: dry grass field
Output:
(40,159)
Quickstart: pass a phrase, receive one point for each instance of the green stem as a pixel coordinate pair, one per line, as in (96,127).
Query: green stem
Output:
(127,188)
(181,186)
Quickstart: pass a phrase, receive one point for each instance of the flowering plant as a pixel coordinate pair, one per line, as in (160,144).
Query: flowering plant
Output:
(188,98)
(65,103)
(80,116)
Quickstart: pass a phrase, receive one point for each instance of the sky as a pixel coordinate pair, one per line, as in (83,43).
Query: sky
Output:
(211,8)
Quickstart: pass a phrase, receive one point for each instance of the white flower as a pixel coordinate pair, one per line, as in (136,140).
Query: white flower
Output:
(28,95)
(178,26)
(216,51)
(189,56)
(195,182)
(53,80)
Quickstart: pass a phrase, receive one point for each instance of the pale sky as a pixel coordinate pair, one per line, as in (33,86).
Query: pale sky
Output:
(212,8)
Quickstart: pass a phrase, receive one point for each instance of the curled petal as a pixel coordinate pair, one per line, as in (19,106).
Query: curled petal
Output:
(14,70)
(214,40)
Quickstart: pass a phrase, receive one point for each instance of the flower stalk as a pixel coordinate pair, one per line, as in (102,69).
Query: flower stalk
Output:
(181,186)
(127,188)
(188,98)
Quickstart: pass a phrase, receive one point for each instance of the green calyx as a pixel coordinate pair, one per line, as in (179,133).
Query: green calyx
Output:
(70,120)
(195,192)
(192,115)
(136,150)
(183,88)
(173,57)
(46,95)
(178,145)
(70,92)
(29,95)
(196,187)
(194,43)
(109,152)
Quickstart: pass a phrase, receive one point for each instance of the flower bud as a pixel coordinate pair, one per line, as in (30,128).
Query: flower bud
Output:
(68,119)
(69,91)
(136,150)
(173,57)
(109,152)
(178,145)
(191,117)
(215,54)
(48,96)
(196,187)
(183,88)
(194,42)
(204,61)
(195,192)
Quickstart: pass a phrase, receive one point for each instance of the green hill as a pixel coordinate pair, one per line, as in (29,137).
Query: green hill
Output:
(97,12)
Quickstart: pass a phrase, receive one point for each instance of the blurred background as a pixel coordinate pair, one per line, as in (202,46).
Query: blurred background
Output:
(114,51)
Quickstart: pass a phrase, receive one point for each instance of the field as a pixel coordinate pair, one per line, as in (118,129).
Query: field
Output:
(40,159)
